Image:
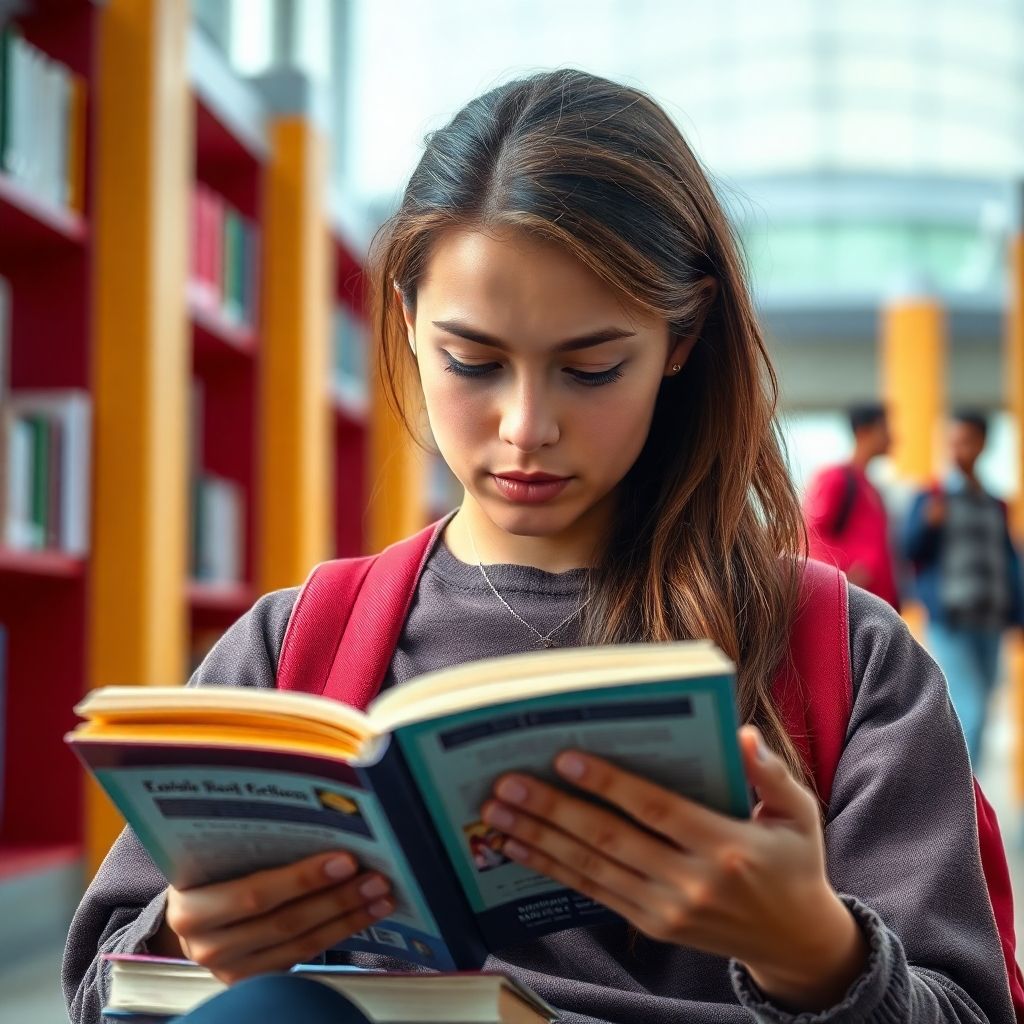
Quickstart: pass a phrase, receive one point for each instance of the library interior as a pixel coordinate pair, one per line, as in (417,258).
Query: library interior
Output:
(191,413)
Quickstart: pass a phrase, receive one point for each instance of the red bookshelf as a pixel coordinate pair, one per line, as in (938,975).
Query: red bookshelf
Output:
(39,565)
(28,223)
(225,364)
(351,418)
(46,256)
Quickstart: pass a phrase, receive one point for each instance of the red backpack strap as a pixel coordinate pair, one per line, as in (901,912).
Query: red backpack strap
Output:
(347,619)
(997,878)
(814,691)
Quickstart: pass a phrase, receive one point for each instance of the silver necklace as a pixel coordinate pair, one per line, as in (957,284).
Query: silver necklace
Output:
(546,639)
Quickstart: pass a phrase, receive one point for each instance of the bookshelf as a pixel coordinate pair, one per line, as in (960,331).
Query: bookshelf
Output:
(46,249)
(196,366)
(350,390)
(222,299)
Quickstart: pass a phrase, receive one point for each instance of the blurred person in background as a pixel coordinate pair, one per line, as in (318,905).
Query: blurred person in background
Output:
(968,575)
(847,523)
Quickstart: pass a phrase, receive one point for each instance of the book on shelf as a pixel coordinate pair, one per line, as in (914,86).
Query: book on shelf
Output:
(45,445)
(42,122)
(224,259)
(3,717)
(218,536)
(145,988)
(5,336)
(219,782)
(350,370)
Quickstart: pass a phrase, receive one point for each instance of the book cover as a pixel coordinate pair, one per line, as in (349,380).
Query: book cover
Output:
(221,783)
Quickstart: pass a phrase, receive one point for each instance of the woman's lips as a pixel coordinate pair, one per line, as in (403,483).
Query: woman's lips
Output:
(527,491)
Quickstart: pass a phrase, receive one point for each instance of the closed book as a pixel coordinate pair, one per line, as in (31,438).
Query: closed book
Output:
(63,484)
(219,530)
(40,474)
(220,782)
(7,37)
(20,530)
(151,988)
(76,135)
(3,716)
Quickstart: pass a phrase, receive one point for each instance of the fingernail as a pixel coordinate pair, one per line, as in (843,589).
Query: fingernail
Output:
(381,908)
(761,751)
(571,765)
(511,790)
(514,850)
(373,888)
(498,816)
(340,867)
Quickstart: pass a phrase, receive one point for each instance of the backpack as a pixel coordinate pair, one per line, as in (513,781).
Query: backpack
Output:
(846,505)
(347,619)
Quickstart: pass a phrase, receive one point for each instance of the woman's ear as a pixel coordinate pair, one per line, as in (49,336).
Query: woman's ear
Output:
(410,323)
(682,345)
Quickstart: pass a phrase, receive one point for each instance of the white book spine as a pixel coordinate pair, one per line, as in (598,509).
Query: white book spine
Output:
(75,470)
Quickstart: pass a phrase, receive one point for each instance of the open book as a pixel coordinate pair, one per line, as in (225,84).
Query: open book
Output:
(220,782)
(145,988)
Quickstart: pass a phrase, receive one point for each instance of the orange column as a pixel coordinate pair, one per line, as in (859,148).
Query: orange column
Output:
(137,627)
(1015,403)
(913,365)
(398,473)
(913,384)
(294,505)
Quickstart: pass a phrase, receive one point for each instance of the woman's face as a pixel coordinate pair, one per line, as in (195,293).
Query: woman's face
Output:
(539,385)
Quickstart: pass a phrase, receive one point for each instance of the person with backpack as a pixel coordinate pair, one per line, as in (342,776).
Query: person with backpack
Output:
(967,575)
(563,284)
(847,522)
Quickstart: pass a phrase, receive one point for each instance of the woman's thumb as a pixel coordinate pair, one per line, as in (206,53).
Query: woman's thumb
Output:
(780,795)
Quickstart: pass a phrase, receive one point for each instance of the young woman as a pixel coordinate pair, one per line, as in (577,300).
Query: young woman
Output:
(562,281)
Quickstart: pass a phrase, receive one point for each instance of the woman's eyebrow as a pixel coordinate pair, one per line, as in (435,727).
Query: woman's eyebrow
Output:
(461,330)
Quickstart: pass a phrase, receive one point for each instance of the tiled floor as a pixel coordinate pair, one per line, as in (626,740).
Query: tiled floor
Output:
(30,989)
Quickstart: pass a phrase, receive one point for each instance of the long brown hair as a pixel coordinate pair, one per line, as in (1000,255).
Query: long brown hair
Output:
(708,536)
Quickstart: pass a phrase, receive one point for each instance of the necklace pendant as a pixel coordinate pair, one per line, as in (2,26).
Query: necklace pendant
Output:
(548,642)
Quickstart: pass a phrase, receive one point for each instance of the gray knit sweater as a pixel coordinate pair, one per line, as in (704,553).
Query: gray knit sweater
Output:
(901,832)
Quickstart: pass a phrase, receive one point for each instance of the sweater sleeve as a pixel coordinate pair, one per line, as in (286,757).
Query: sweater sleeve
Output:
(124,904)
(902,846)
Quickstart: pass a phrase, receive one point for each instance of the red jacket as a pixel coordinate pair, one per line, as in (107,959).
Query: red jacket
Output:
(860,545)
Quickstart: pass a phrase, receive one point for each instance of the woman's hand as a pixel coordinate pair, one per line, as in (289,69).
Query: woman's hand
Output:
(754,890)
(271,920)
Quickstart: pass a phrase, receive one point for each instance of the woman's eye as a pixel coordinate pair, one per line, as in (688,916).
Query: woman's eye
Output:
(594,379)
(461,369)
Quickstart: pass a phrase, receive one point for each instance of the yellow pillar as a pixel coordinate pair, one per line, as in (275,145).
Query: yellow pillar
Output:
(294,484)
(913,366)
(1015,404)
(913,385)
(137,628)
(398,473)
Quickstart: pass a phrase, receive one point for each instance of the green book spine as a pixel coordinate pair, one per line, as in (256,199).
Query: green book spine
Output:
(232,306)
(6,94)
(40,476)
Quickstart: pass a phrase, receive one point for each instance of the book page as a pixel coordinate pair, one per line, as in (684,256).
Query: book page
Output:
(678,733)
(210,814)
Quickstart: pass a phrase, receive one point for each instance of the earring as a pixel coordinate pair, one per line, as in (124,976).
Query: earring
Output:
(676,367)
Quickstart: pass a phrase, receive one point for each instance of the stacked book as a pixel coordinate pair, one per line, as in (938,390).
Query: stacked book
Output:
(350,373)
(42,122)
(45,449)
(145,989)
(218,535)
(224,260)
